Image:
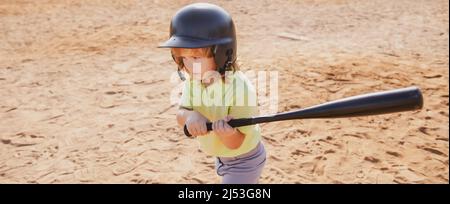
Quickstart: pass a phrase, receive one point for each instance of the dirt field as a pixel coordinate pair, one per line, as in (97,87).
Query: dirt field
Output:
(85,93)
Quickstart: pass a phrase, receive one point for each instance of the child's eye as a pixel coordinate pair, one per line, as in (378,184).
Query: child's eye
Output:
(192,58)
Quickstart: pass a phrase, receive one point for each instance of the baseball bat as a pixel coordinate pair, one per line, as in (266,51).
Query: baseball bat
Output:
(397,100)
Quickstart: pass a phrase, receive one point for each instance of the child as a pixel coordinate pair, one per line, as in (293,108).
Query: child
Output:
(203,44)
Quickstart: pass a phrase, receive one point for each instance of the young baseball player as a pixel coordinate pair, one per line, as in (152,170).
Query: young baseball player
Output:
(203,45)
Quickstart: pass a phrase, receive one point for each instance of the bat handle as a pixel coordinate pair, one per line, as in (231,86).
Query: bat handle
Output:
(233,123)
(186,131)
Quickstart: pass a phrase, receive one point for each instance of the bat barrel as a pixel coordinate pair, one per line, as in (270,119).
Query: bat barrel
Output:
(405,99)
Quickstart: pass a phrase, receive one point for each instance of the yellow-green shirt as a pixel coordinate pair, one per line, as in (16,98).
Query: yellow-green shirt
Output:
(235,97)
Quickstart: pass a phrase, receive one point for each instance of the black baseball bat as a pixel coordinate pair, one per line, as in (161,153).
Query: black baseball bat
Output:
(397,100)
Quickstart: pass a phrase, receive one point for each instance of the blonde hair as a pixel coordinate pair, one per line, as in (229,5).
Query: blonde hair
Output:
(192,52)
(179,53)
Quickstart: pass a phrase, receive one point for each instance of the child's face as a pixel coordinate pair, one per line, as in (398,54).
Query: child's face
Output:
(196,58)
(205,64)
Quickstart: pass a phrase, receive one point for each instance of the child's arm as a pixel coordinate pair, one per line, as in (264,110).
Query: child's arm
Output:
(195,122)
(230,137)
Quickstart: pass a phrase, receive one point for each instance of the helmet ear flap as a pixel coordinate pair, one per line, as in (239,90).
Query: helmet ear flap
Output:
(223,57)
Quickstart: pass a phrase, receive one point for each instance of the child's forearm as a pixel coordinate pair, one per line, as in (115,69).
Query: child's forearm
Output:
(233,141)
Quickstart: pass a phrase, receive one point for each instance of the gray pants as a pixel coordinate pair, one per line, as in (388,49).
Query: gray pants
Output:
(242,169)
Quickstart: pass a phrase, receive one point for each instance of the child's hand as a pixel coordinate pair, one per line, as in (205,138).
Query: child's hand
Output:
(196,124)
(222,129)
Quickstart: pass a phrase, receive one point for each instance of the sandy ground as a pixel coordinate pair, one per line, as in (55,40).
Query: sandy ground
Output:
(85,93)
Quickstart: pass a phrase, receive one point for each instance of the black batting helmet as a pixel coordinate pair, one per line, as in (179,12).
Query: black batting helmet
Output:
(204,25)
